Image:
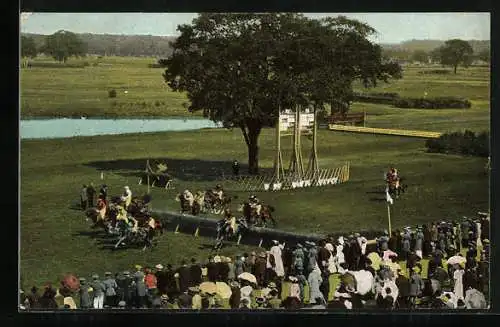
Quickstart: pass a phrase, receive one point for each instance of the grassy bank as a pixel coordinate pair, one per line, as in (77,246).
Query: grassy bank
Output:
(55,238)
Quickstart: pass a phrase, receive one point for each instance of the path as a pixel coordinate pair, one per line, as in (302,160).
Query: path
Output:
(386,131)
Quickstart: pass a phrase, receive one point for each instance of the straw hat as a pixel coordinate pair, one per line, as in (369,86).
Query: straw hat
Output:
(159,266)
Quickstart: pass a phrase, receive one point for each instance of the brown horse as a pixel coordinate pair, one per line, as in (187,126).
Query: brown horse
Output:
(253,218)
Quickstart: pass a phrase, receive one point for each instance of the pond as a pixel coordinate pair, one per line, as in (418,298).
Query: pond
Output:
(64,127)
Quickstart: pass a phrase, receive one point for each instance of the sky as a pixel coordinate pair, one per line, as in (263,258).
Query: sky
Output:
(391,27)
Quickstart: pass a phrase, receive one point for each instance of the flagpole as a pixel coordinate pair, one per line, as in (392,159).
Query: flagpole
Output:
(389,217)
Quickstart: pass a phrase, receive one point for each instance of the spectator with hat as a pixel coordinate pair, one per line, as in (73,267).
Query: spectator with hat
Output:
(140,292)
(83,197)
(83,292)
(161,279)
(97,292)
(90,195)
(110,287)
(184,276)
(195,273)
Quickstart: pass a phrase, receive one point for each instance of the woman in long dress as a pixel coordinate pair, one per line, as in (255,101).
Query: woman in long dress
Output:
(458,289)
(314,280)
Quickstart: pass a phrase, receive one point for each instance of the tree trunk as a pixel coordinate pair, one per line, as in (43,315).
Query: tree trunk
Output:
(455,69)
(251,131)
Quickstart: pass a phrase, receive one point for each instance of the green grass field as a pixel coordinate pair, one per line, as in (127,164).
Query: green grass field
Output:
(55,239)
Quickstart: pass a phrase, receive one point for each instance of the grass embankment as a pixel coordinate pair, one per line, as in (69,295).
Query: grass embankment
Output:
(55,239)
(75,92)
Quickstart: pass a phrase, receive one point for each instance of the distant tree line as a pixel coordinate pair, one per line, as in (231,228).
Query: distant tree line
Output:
(114,45)
(452,53)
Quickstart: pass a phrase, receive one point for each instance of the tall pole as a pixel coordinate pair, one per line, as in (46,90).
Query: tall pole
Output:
(389,218)
(278,147)
(313,159)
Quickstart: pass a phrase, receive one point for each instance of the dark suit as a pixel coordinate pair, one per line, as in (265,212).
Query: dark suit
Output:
(161,280)
(223,271)
(184,278)
(195,274)
(212,272)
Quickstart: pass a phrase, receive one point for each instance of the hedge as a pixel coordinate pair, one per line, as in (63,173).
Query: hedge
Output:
(433,103)
(435,71)
(378,98)
(466,143)
(58,64)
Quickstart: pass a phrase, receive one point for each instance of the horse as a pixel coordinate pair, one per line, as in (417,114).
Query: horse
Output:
(139,235)
(213,204)
(253,218)
(224,232)
(185,206)
(396,187)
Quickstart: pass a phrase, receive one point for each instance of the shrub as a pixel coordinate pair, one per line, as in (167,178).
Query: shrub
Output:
(112,93)
(466,143)
(433,103)
(157,103)
(434,71)
(378,98)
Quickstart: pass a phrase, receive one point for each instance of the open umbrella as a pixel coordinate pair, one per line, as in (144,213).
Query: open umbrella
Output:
(364,281)
(475,300)
(71,282)
(248,277)
(208,288)
(388,254)
(456,259)
(375,259)
(223,290)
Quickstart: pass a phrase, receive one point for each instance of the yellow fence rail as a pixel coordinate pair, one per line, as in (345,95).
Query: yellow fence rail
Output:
(386,131)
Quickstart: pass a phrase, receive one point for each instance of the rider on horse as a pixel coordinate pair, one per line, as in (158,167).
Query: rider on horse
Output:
(392,177)
(229,222)
(127,196)
(101,208)
(254,203)
(188,196)
(218,192)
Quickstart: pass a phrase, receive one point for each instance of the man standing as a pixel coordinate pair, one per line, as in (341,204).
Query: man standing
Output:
(236,168)
(98,292)
(83,197)
(110,287)
(194,273)
(90,195)
(103,192)
(84,294)
(184,277)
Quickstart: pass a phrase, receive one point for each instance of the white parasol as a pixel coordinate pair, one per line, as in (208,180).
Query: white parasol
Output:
(248,277)
(223,290)
(456,259)
(208,288)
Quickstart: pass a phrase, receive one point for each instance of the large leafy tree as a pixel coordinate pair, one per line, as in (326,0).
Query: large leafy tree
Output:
(63,45)
(239,69)
(456,52)
(28,47)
